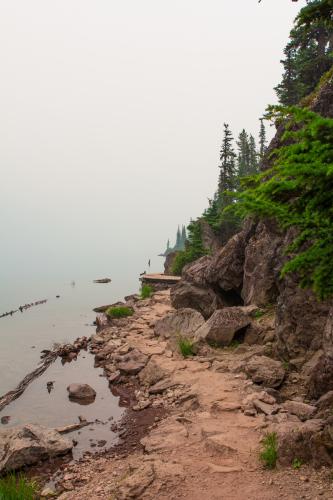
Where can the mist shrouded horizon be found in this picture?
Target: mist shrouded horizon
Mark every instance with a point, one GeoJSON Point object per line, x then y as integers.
{"type": "Point", "coordinates": [111, 121]}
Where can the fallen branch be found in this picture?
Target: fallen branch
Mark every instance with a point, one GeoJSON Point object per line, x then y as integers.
{"type": "Point", "coordinates": [73, 427]}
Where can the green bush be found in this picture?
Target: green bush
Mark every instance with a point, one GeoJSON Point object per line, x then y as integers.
{"type": "Point", "coordinates": [186, 347]}
{"type": "Point", "coordinates": [119, 312]}
{"type": "Point", "coordinates": [17, 488]}
{"type": "Point", "coordinates": [146, 291]}
{"type": "Point", "coordinates": [297, 191]}
{"type": "Point", "coordinates": [269, 455]}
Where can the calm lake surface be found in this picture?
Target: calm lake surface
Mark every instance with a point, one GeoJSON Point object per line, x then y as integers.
{"type": "Point", "coordinates": [24, 335]}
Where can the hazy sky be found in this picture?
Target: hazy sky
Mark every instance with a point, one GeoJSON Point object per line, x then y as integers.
{"type": "Point", "coordinates": [111, 116]}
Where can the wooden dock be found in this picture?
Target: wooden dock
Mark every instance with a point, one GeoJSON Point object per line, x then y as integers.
{"type": "Point", "coordinates": [159, 281]}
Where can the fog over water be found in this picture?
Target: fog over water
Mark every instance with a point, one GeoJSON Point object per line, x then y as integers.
{"type": "Point", "coordinates": [110, 126]}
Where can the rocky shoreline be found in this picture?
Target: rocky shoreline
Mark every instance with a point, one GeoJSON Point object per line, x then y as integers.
{"type": "Point", "coordinates": [194, 426]}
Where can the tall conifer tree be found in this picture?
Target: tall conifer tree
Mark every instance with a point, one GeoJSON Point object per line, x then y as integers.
{"type": "Point", "coordinates": [262, 139]}
{"type": "Point", "coordinates": [243, 158]}
{"type": "Point", "coordinates": [227, 177]}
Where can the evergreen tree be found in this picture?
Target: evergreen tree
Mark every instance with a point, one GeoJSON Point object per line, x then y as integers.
{"type": "Point", "coordinates": [243, 159]}
{"type": "Point", "coordinates": [227, 177]}
{"type": "Point", "coordinates": [178, 240]}
{"type": "Point", "coordinates": [308, 54]}
{"type": "Point", "coordinates": [184, 236]}
{"type": "Point", "coordinates": [262, 139]}
{"type": "Point", "coordinates": [253, 157]}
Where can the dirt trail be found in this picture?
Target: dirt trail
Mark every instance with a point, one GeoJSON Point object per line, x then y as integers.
{"type": "Point", "coordinates": [206, 448]}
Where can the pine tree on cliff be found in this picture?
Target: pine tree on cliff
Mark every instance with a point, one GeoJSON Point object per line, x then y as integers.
{"type": "Point", "coordinates": [227, 176]}
{"type": "Point", "coordinates": [253, 156]}
{"type": "Point", "coordinates": [308, 54]}
{"type": "Point", "coordinates": [243, 158]}
{"type": "Point", "coordinates": [262, 139]}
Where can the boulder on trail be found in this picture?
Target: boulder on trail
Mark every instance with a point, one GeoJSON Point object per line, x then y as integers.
{"type": "Point", "coordinates": [265, 371]}
{"type": "Point", "coordinates": [81, 392]}
{"type": "Point", "coordinates": [224, 326]}
{"type": "Point", "coordinates": [28, 444]}
{"type": "Point", "coordinates": [184, 322]}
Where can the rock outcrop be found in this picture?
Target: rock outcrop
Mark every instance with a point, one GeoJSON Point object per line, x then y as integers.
{"type": "Point", "coordinates": [27, 445]}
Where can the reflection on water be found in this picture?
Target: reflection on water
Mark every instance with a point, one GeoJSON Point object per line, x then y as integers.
{"type": "Point", "coordinates": [53, 408]}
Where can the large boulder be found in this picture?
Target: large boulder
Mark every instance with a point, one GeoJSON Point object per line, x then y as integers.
{"type": "Point", "coordinates": [187, 295]}
{"type": "Point", "coordinates": [195, 272]}
{"type": "Point", "coordinates": [184, 322]}
{"type": "Point", "coordinates": [265, 371]}
{"type": "Point", "coordinates": [28, 444]}
{"type": "Point", "coordinates": [227, 267]}
{"type": "Point", "coordinates": [224, 326]}
{"type": "Point", "coordinates": [81, 392]}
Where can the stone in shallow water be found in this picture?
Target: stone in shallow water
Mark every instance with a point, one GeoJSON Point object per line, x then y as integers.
{"type": "Point", "coordinates": [81, 392]}
{"type": "Point", "coordinates": [28, 444]}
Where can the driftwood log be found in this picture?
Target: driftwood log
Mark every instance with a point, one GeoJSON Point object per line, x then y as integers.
{"type": "Point", "coordinates": [48, 358]}
{"type": "Point", "coordinates": [14, 394]}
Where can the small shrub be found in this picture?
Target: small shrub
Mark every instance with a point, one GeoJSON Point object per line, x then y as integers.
{"type": "Point", "coordinates": [297, 463]}
{"type": "Point", "coordinates": [17, 488]}
{"type": "Point", "coordinates": [146, 291]}
{"type": "Point", "coordinates": [185, 347]}
{"type": "Point", "coordinates": [269, 453]}
{"type": "Point", "coordinates": [259, 314]}
{"type": "Point", "coordinates": [119, 312]}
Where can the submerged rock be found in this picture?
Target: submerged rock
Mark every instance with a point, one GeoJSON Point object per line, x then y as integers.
{"type": "Point", "coordinates": [81, 392]}
{"type": "Point", "coordinates": [28, 444]}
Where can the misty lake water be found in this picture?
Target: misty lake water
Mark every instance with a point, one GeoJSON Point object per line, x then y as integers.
{"type": "Point", "coordinates": [24, 335]}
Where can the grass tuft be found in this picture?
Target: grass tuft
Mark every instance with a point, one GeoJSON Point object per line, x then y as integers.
{"type": "Point", "coordinates": [297, 463]}
{"type": "Point", "coordinates": [119, 312]}
{"type": "Point", "coordinates": [186, 347]}
{"type": "Point", "coordinates": [259, 314]}
{"type": "Point", "coordinates": [146, 291]}
{"type": "Point", "coordinates": [17, 488]}
{"type": "Point", "coordinates": [269, 455]}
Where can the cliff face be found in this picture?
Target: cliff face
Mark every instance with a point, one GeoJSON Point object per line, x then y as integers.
{"type": "Point", "coordinates": [247, 271]}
